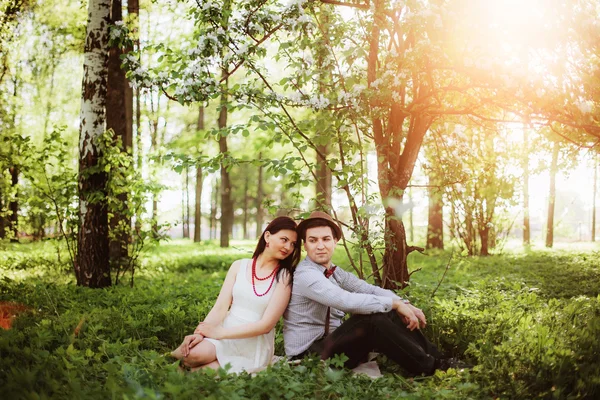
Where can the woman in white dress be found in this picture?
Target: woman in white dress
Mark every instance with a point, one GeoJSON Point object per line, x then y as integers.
{"type": "Point", "coordinates": [240, 328]}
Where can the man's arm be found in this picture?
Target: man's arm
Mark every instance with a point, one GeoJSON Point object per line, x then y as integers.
{"type": "Point", "coordinates": [312, 284]}
{"type": "Point", "coordinates": [352, 283]}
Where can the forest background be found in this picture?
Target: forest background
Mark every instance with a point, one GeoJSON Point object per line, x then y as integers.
{"type": "Point", "coordinates": [470, 126]}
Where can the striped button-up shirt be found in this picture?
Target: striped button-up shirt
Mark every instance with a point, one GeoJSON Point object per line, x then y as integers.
{"type": "Point", "coordinates": [313, 293]}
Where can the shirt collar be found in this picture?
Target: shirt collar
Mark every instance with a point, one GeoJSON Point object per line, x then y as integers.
{"type": "Point", "coordinates": [321, 268]}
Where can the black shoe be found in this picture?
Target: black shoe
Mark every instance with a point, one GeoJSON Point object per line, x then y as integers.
{"type": "Point", "coordinates": [444, 364]}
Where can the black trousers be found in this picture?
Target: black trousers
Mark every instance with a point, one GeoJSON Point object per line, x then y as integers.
{"type": "Point", "coordinates": [383, 332]}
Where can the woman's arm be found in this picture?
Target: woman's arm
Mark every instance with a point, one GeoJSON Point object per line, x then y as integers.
{"type": "Point", "coordinates": [274, 311]}
{"type": "Point", "coordinates": [219, 310]}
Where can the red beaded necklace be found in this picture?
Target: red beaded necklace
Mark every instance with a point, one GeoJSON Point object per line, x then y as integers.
{"type": "Point", "coordinates": [254, 276]}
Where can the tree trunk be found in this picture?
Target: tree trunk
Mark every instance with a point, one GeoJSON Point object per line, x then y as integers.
{"type": "Point", "coordinates": [3, 222]}
{"type": "Point", "coordinates": [245, 206]}
{"type": "Point", "coordinates": [187, 203]}
{"type": "Point", "coordinates": [199, 179]}
{"type": "Point", "coordinates": [484, 236]}
{"type": "Point", "coordinates": [50, 98]}
{"type": "Point", "coordinates": [13, 206]}
{"type": "Point", "coordinates": [323, 181]}
{"type": "Point", "coordinates": [435, 223]}
{"type": "Point", "coordinates": [116, 119]}
{"type": "Point", "coordinates": [92, 268]}
{"type": "Point", "coordinates": [133, 11]}
{"type": "Point", "coordinates": [323, 173]}
{"type": "Point", "coordinates": [526, 224]}
{"type": "Point", "coordinates": [470, 240]}
{"type": "Point", "coordinates": [395, 268]}
{"type": "Point", "coordinates": [226, 201]}
{"type": "Point", "coordinates": [259, 199]}
{"type": "Point", "coordinates": [594, 198]}
{"type": "Point", "coordinates": [213, 209]}
{"type": "Point", "coordinates": [411, 219]}
{"type": "Point", "coordinates": [552, 197]}
{"type": "Point", "coordinates": [395, 167]}
{"type": "Point", "coordinates": [154, 149]}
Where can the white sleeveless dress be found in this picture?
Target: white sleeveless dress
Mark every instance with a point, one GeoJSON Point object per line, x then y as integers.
{"type": "Point", "coordinates": [249, 353]}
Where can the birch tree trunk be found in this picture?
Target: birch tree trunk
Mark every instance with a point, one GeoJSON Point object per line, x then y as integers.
{"type": "Point", "coordinates": [92, 267]}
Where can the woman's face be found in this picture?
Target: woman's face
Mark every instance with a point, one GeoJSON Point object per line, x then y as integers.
{"type": "Point", "coordinates": [282, 243]}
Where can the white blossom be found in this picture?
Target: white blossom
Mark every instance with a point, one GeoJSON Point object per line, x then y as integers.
{"type": "Point", "coordinates": [296, 97]}
{"type": "Point", "coordinates": [358, 89]}
{"type": "Point", "coordinates": [319, 102]}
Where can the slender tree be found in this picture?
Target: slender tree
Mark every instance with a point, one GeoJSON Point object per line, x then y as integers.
{"type": "Point", "coordinates": [226, 201]}
{"type": "Point", "coordinates": [435, 225]}
{"type": "Point", "coordinates": [552, 195]}
{"type": "Point", "coordinates": [245, 206]}
{"type": "Point", "coordinates": [199, 180]}
{"type": "Point", "coordinates": [92, 268]}
{"type": "Point", "coordinates": [323, 172]}
{"type": "Point", "coordinates": [526, 223]}
{"type": "Point", "coordinates": [185, 203]}
{"type": "Point", "coordinates": [226, 198]}
{"type": "Point", "coordinates": [595, 190]}
{"type": "Point", "coordinates": [13, 206]}
{"type": "Point", "coordinates": [118, 120]}
{"type": "Point", "coordinates": [213, 208]}
{"type": "Point", "coordinates": [259, 198]}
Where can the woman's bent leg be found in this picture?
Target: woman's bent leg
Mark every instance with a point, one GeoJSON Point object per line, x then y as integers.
{"type": "Point", "coordinates": [178, 352]}
{"type": "Point", "coordinates": [201, 354]}
{"type": "Point", "coordinates": [212, 365]}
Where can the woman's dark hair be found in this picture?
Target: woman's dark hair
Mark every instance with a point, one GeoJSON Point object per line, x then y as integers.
{"type": "Point", "coordinates": [289, 263]}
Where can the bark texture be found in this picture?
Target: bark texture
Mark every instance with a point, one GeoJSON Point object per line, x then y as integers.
{"type": "Point", "coordinates": [226, 201]}
{"type": "Point", "coordinates": [260, 214]}
{"type": "Point", "coordinates": [435, 223]}
{"type": "Point", "coordinates": [199, 180]}
{"type": "Point", "coordinates": [117, 120]}
{"type": "Point", "coordinates": [92, 267]}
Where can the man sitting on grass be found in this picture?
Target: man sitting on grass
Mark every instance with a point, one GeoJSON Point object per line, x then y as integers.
{"type": "Point", "coordinates": [323, 293]}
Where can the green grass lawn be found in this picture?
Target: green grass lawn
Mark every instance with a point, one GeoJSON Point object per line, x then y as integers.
{"type": "Point", "coordinates": [528, 320]}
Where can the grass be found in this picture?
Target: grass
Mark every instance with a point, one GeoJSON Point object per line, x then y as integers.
{"type": "Point", "coordinates": [528, 320]}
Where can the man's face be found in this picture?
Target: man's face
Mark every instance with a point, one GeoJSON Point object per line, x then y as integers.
{"type": "Point", "coordinates": [320, 244]}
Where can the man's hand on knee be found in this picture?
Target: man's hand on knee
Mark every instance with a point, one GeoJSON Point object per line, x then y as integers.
{"type": "Point", "coordinates": [405, 311]}
{"type": "Point", "coordinates": [419, 314]}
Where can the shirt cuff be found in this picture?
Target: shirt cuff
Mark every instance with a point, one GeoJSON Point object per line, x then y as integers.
{"type": "Point", "coordinates": [388, 304]}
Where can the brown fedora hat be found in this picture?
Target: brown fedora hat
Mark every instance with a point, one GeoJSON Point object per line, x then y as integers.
{"type": "Point", "coordinates": [319, 215]}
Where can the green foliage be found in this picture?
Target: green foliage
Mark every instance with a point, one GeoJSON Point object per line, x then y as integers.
{"type": "Point", "coordinates": [529, 322]}
{"type": "Point", "coordinates": [127, 193]}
